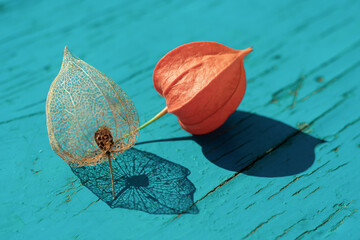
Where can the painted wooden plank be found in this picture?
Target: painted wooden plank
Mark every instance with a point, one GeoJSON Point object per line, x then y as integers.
{"type": "Point", "coordinates": [302, 74]}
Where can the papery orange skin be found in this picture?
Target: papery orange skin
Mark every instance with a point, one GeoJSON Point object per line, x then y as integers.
{"type": "Point", "coordinates": [203, 84]}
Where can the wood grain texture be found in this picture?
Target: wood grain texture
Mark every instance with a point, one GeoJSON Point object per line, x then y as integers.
{"type": "Point", "coordinates": [285, 165]}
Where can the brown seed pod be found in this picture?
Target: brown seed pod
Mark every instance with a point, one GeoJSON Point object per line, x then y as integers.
{"type": "Point", "coordinates": [104, 139]}
{"type": "Point", "coordinates": [90, 119]}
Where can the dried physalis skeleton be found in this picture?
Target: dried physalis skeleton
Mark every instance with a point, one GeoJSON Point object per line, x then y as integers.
{"type": "Point", "coordinates": [90, 119]}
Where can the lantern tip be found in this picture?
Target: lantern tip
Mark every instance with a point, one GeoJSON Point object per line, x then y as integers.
{"type": "Point", "coordinates": [66, 50]}
{"type": "Point", "coordinates": [247, 51]}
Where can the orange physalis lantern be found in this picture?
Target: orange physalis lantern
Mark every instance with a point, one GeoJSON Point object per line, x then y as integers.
{"type": "Point", "coordinates": [203, 84]}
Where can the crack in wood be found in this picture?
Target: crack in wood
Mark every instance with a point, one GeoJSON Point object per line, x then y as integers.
{"type": "Point", "coordinates": [35, 171]}
{"type": "Point", "coordinates": [16, 89]}
{"type": "Point", "coordinates": [348, 125]}
{"type": "Point", "coordinates": [42, 101]}
{"type": "Point", "coordinates": [340, 166]}
{"type": "Point", "coordinates": [312, 192]}
{"type": "Point", "coordinates": [66, 190]}
{"type": "Point", "coordinates": [297, 178]}
{"type": "Point", "coordinates": [356, 137]}
{"type": "Point", "coordinates": [322, 65]}
{"type": "Point", "coordinates": [72, 188]}
{"type": "Point", "coordinates": [289, 228]}
{"type": "Point", "coordinates": [249, 206]}
{"type": "Point", "coordinates": [262, 224]}
{"type": "Point", "coordinates": [263, 73]}
{"type": "Point", "coordinates": [324, 222]}
{"type": "Point", "coordinates": [269, 184]}
{"type": "Point", "coordinates": [291, 88]}
{"type": "Point", "coordinates": [335, 149]}
{"type": "Point", "coordinates": [335, 27]}
{"type": "Point", "coordinates": [302, 189]}
{"type": "Point", "coordinates": [334, 79]}
{"type": "Point", "coordinates": [336, 226]}
{"type": "Point", "coordinates": [23, 117]}
{"type": "Point", "coordinates": [287, 185]}
{"type": "Point", "coordinates": [87, 207]}
{"type": "Point", "coordinates": [231, 151]}
{"type": "Point", "coordinates": [305, 126]}
{"type": "Point", "coordinates": [67, 200]}
{"type": "Point", "coordinates": [296, 91]}
{"type": "Point", "coordinates": [332, 108]}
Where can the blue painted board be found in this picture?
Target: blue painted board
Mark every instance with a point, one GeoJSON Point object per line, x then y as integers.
{"type": "Point", "coordinates": [284, 166]}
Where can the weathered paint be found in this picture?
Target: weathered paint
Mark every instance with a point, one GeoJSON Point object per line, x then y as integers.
{"type": "Point", "coordinates": [303, 74]}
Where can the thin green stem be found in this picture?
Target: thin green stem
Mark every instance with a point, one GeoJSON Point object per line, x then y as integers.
{"type": "Point", "coordinates": [157, 116]}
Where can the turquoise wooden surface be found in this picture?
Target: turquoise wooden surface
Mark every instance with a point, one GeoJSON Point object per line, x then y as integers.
{"type": "Point", "coordinates": [256, 178]}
